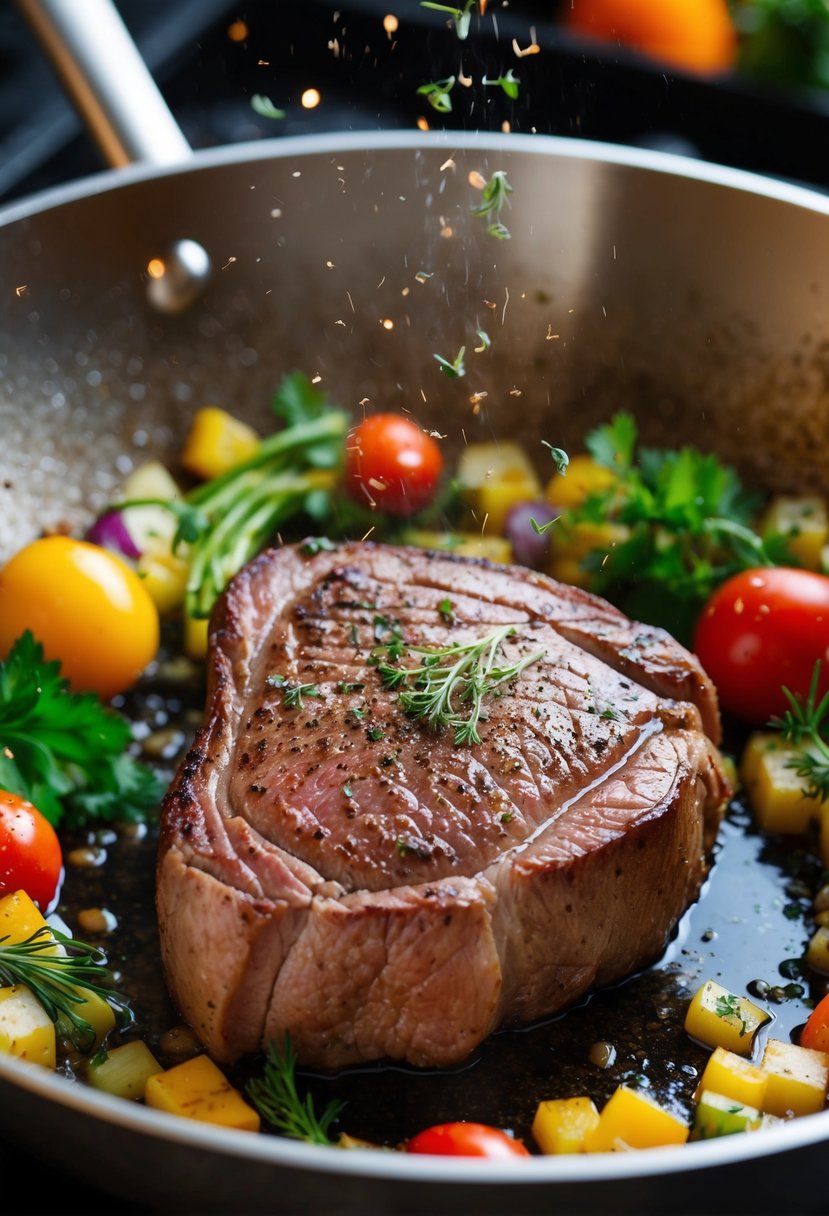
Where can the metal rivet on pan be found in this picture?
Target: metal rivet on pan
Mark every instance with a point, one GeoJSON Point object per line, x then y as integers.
{"type": "Point", "coordinates": [177, 278]}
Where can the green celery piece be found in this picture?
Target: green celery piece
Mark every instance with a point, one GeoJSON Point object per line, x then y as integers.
{"type": "Point", "coordinates": [716, 1115]}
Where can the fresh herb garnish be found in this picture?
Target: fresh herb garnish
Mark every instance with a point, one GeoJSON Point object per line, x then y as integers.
{"type": "Point", "coordinates": [461, 17]}
{"type": "Point", "coordinates": [729, 1007]}
{"type": "Point", "coordinates": [454, 368]}
{"type": "Point", "coordinates": [805, 725]}
{"type": "Point", "coordinates": [560, 458]}
{"type": "Point", "coordinates": [61, 973]}
{"type": "Point", "coordinates": [437, 94]}
{"type": "Point", "coordinates": [293, 691]}
{"type": "Point", "coordinates": [275, 1096]}
{"type": "Point", "coordinates": [450, 694]}
{"type": "Point", "coordinates": [447, 610]}
{"type": "Point", "coordinates": [66, 752]}
{"type": "Point", "coordinates": [509, 82]}
{"type": "Point", "coordinates": [226, 521]}
{"type": "Point", "coordinates": [495, 197]}
{"type": "Point", "coordinates": [264, 107]}
{"type": "Point", "coordinates": [375, 733]}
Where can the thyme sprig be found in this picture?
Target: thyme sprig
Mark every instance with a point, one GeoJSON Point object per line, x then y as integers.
{"type": "Point", "coordinates": [448, 687]}
{"type": "Point", "coordinates": [293, 691]}
{"type": "Point", "coordinates": [805, 725]}
{"type": "Point", "coordinates": [61, 973]}
{"type": "Point", "coordinates": [275, 1096]}
{"type": "Point", "coordinates": [496, 194]}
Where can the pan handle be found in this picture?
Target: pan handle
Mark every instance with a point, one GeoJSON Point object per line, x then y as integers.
{"type": "Point", "coordinates": [101, 68]}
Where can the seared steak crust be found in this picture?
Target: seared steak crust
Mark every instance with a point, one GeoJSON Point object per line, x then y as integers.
{"type": "Point", "coordinates": [333, 868]}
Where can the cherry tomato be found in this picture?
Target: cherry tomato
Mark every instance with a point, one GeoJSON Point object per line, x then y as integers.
{"type": "Point", "coordinates": [763, 630]}
{"type": "Point", "coordinates": [30, 856]}
{"type": "Point", "coordinates": [694, 35]}
{"type": "Point", "coordinates": [466, 1140]}
{"type": "Point", "coordinates": [87, 608]}
{"type": "Point", "coordinates": [390, 461]}
{"type": "Point", "coordinates": [815, 1033]}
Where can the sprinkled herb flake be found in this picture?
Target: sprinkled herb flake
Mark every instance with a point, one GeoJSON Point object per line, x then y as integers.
{"type": "Point", "coordinates": [447, 610]}
{"type": "Point", "coordinates": [495, 197]}
{"type": "Point", "coordinates": [313, 545]}
{"type": "Point", "coordinates": [437, 94]}
{"type": "Point", "coordinates": [509, 82]}
{"type": "Point", "coordinates": [264, 107]}
{"type": "Point", "coordinates": [375, 733]}
{"type": "Point", "coordinates": [292, 691]}
{"type": "Point", "coordinates": [461, 17]}
{"type": "Point", "coordinates": [729, 1007]}
{"type": "Point", "coordinates": [454, 368]}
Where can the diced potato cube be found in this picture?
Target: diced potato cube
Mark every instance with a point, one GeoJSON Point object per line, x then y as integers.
{"type": "Point", "coordinates": [570, 543]}
{"type": "Point", "coordinates": [26, 1030]}
{"type": "Point", "coordinates": [817, 952]}
{"type": "Point", "coordinates": [197, 1089]}
{"type": "Point", "coordinates": [165, 578]}
{"type": "Point", "coordinates": [718, 1018]}
{"type": "Point", "coordinates": [718, 1115]}
{"type": "Point", "coordinates": [804, 522]}
{"type": "Point", "coordinates": [797, 1079]}
{"type": "Point", "coordinates": [150, 480]}
{"type": "Point", "coordinates": [95, 1010]}
{"type": "Point", "coordinates": [561, 1124]}
{"type": "Point", "coordinates": [151, 527]}
{"type": "Point", "coordinates": [196, 630]}
{"type": "Point", "coordinates": [774, 789]}
{"type": "Point", "coordinates": [733, 1077]}
{"type": "Point", "coordinates": [466, 544]}
{"type": "Point", "coordinates": [631, 1119]}
{"type": "Point", "coordinates": [124, 1071]}
{"type": "Point", "coordinates": [494, 477]}
{"type": "Point", "coordinates": [19, 919]}
{"type": "Point", "coordinates": [217, 442]}
{"type": "Point", "coordinates": [582, 478]}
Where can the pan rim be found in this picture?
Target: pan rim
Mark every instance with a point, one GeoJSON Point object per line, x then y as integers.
{"type": "Point", "coordinates": [545, 146]}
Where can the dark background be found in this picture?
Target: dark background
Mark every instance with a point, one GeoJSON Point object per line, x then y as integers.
{"type": "Point", "coordinates": [368, 81]}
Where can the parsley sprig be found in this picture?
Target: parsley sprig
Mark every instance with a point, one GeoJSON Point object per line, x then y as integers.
{"type": "Point", "coordinates": [805, 725]}
{"type": "Point", "coordinates": [448, 687]}
{"type": "Point", "coordinates": [61, 973]}
{"type": "Point", "coordinates": [66, 752]}
{"type": "Point", "coordinates": [687, 520]}
{"type": "Point", "coordinates": [275, 1096]}
{"type": "Point", "coordinates": [495, 197]}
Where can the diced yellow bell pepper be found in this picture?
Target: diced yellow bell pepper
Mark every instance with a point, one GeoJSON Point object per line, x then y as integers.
{"type": "Point", "coordinates": [570, 543]}
{"type": "Point", "coordinates": [631, 1119]}
{"type": "Point", "coordinates": [718, 1115]}
{"type": "Point", "coordinates": [197, 1089]}
{"type": "Point", "coordinates": [216, 442]}
{"type": "Point", "coordinates": [196, 630]}
{"type": "Point", "coordinates": [561, 1124]}
{"type": "Point", "coordinates": [582, 478]}
{"type": "Point", "coordinates": [495, 477]}
{"type": "Point", "coordinates": [124, 1071]}
{"type": "Point", "coordinates": [26, 1030]}
{"type": "Point", "coordinates": [804, 522]}
{"type": "Point", "coordinates": [817, 952]}
{"type": "Point", "coordinates": [465, 544]}
{"type": "Point", "coordinates": [797, 1079]}
{"type": "Point", "coordinates": [775, 792]}
{"type": "Point", "coordinates": [165, 578]}
{"type": "Point", "coordinates": [719, 1018]}
{"type": "Point", "coordinates": [733, 1077]}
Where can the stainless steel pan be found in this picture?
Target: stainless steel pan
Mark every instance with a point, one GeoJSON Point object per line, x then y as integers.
{"type": "Point", "coordinates": [695, 295]}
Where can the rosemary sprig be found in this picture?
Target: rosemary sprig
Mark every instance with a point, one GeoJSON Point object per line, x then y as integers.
{"type": "Point", "coordinates": [275, 1096]}
{"type": "Point", "coordinates": [62, 982]}
{"type": "Point", "coordinates": [292, 691]}
{"type": "Point", "coordinates": [447, 689]}
{"type": "Point", "coordinates": [805, 725]}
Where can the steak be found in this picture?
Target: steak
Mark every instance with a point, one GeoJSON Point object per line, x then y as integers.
{"type": "Point", "coordinates": [333, 867]}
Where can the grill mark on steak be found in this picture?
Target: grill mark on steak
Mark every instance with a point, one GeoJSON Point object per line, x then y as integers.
{"type": "Point", "coordinates": [375, 890]}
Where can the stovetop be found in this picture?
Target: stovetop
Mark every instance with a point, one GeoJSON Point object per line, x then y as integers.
{"type": "Point", "coordinates": [211, 58]}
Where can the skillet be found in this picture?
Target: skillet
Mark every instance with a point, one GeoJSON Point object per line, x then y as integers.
{"type": "Point", "coordinates": [689, 293]}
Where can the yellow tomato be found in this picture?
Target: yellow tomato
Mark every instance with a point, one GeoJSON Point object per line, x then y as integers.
{"type": "Point", "coordinates": [88, 609]}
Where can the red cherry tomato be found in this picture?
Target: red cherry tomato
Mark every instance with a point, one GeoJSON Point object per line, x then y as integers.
{"type": "Point", "coordinates": [761, 631]}
{"type": "Point", "coordinates": [392, 463]}
{"type": "Point", "coordinates": [815, 1033]}
{"type": "Point", "coordinates": [466, 1140]}
{"type": "Point", "coordinates": [30, 855]}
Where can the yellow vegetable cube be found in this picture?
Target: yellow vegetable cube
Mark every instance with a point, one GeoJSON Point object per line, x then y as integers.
{"type": "Point", "coordinates": [817, 952]}
{"type": "Point", "coordinates": [797, 1079]}
{"type": "Point", "coordinates": [718, 1018]}
{"type": "Point", "coordinates": [197, 1089]}
{"type": "Point", "coordinates": [570, 543]}
{"type": "Point", "coordinates": [466, 544]}
{"type": "Point", "coordinates": [734, 1077]}
{"type": "Point", "coordinates": [631, 1119]}
{"type": "Point", "coordinates": [582, 478]}
{"type": "Point", "coordinates": [494, 477]}
{"type": "Point", "coordinates": [561, 1124]}
{"type": "Point", "coordinates": [718, 1115]}
{"type": "Point", "coordinates": [26, 1030]}
{"type": "Point", "coordinates": [196, 630]}
{"type": "Point", "coordinates": [124, 1071]}
{"type": "Point", "coordinates": [774, 789]}
{"type": "Point", "coordinates": [216, 442]}
{"type": "Point", "coordinates": [165, 578]}
{"type": "Point", "coordinates": [804, 522]}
